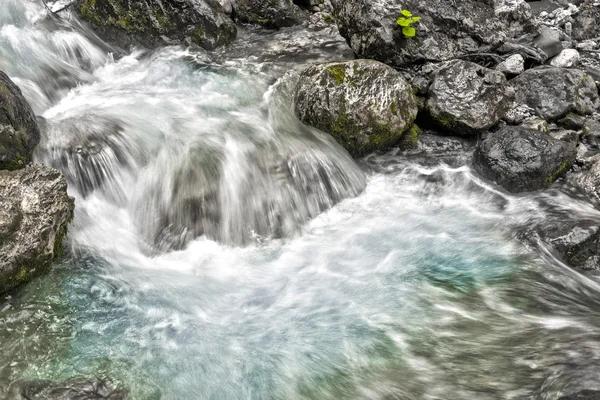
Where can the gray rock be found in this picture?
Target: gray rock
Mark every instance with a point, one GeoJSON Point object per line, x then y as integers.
{"type": "Point", "coordinates": [521, 160]}
{"type": "Point", "coordinates": [589, 182]}
{"type": "Point", "coordinates": [365, 105]}
{"type": "Point", "coordinates": [555, 92]}
{"type": "Point", "coordinates": [269, 13]}
{"type": "Point", "coordinates": [73, 389]}
{"type": "Point", "coordinates": [513, 65]}
{"type": "Point", "coordinates": [448, 29]}
{"type": "Point", "coordinates": [566, 135]}
{"type": "Point", "coordinates": [566, 59]}
{"type": "Point", "coordinates": [572, 121]}
{"type": "Point", "coordinates": [34, 213]}
{"type": "Point", "coordinates": [466, 98]}
{"type": "Point", "coordinates": [549, 42]}
{"type": "Point", "coordinates": [19, 133]}
{"type": "Point", "coordinates": [149, 22]}
{"type": "Point", "coordinates": [585, 23]}
{"type": "Point", "coordinates": [536, 124]}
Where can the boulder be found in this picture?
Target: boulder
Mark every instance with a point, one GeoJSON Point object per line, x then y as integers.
{"type": "Point", "coordinates": [566, 59]}
{"type": "Point", "coordinates": [73, 389]}
{"type": "Point", "coordinates": [586, 22]}
{"type": "Point", "coordinates": [549, 42]}
{"type": "Point", "coordinates": [466, 98]}
{"type": "Point", "coordinates": [555, 92]}
{"type": "Point", "coordinates": [365, 105]}
{"type": "Point", "coordinates": [34, 213]}
{"type": "Point", "coordinates": [521, 159]}
{"type": "Point", "coordinates": [19, 133]}
{"type": "Point", "coordinates": [513, 65]}
{"type": "Point", "coordinates": [273, 14]}
{"type": "Point", "coordinates": [152, 23]}
{"type": "Point", "coordinates": [447, 29]}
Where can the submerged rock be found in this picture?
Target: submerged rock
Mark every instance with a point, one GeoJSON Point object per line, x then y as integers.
{"type": "Point", "coordinates": [364, 105]}
{"type": "Point", "coordinates": [19, 133]}
{"type": "Point", "coordinates": [74, 389]}
{"type": "Point", "coordinates": [555, 92]}
{"type": "Point", "coordinates": [521, 160]}
{"type": "Point", "coordinates": [269, 13]}
{"type": "Point", "coordinates": [34, 213]}
{"type": "Point", "coordinates": [466, 98]}
{"type": "Point", "coordinates": [447, 29]}
{"type": "Point", "coordinates": [155, 22]}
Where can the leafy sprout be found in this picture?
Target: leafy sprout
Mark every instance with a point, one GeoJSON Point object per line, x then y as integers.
{"type": "Point", "coordinates": [406, 20]}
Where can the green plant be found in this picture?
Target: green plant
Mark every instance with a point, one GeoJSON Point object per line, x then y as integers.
{"type": "Point", "coordinates": [406, 20]}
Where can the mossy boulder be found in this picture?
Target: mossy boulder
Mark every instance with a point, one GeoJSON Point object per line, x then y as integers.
{"type": "Point", "coordinates": [466, 98]}
{"type": "Point", "coordinates": [19, 133]}
{"type": "Point", "coordinates": [273, 14]}
{"type": "Point", "coordinates": [34, 213]}
{"type": "Point", "coordinates": [364, 104]}
{"type": "Point", "coordinates": [522, 160]}
{"type": "Point", "coordinates": [151, 23]}
{"type": "Point", "coordinates": [555, 92]}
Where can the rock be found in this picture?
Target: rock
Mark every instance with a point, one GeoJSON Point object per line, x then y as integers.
{"type": "Point", "coordinates": [466, 98]}
{"type": "Point", "coordinates": [572, 121]}
{"type": "Point", "coordinates": [513, 65]}
{"type": "Point", "coordinates": [515, 15]}
{"type": "Point", "coordinates": [583, 395]}
{"type": "Point", "coordinates": [74, 389]}
{"type": "Point", "coordinates": [448, 29]}
{"type": "Point", "coordinates": [34, 213]}
{"type": "Point", "coordinates": [521, 160]}
{"type": "Point", "coordinates": [566, 135]}
{"type": "Point", "coordinates": [555, 92]}
{"type": "Point", "coordinates": [365, 105]}
{"type": "Point", "coordinates": [269, 13]}
{"type": "Point", "coordinates": [566, 59]}
{"type": "Point", "coordinates": [518, 113]}
{"type": "Point", "coordinates": [152, 23]}
{"type": "Point", "coordinates": [536, 124]}
{"type": "Point", "coordinates": [19, 133]}
{"type": "Point", "coordinates": [585, 23]}
{"type": "Point", "coordinates": [549, 42]}
{"type": "Point", "coordinates": [589, 182]}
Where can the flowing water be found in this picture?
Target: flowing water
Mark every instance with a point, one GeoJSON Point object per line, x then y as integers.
{"type": "Point", "coordinates": [222, 250]}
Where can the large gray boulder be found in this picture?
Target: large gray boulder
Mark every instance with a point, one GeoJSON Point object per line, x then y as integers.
{"type": "Point", "coordinates": [522, 160]}
{"type": "Point", "coordinates": [466, 98]}
{"type": "Point", "coordinates": [34, 213]}
{"type": "Point", "coordinates": [155, 22]}
{"type": "Point", "coordinates": [364, 104]}
{"type": "Point", "coordinates": [448, 29]}
{"type": "Point", "coordinates": [269, 13]}
{"type": "Point", "coordinates": [555, 92]}
{"type": "Point", "coordinates": [19, 133]}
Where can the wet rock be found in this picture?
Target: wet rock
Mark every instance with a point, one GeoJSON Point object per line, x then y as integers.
{"type": "Point", "coordinates": [152, 23]}
{"type": "Point", "coordinates": [589, 182]}
{"type": "Point", "coordinates": [19, 133]}
{"type": "Point", "coordinates": [555, 92]}
{"type": "Point", "coordinates": [448, 29]}
{"type": "Point", "coordinates": [269, 13]}
{"type": "Point", "coordinates": [549, 42]}
{"type": "Point", "coordinates": [34, 213]}
{"type": "Point", "coordinates": [566, 59]}
{"type": "Point", "coordinates": [466, 98]}
{"type": "Point", "coordinates": [513, 65]}
{"type": "Point", "coordinates": [74, 389]}
{"type": "Point", "coordinates": [521, 160]}
{"type": "Point", "coordinates": [583, 395]}
{"type": "Point", "coordinates": [364, 105]}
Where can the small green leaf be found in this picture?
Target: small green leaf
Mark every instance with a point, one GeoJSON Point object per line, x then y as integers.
{"type": "Point", "coordinates": [404, 22]}
{"type": "Point", "coordinates": [416, 19]}
{"type": "Point", "coordinates": [409, 31]}
{"type": "Point", "coordinates": [406, 13]}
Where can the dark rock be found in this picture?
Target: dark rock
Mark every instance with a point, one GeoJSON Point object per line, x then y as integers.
{"type": "Point", "coordinates": [74, 389]}
{"type": "Point", "coordinates": [365, 105]}
{"type": "Point", "coordinates": [443, 33]}
{"type": "Point", "coordinates": [549, 42]}
{"type": "Point", "coordinates": [555, 92]}
{"type": "Point", "coordinates": [269, 13]}
{"type": "Point", "coordinates": [19, 133]}
{"type": "Point", "coordinates": [152, 23]}
{"type": "Point", "coordinates": [577, 241]}
{"type": "Point", "coordinates": [572, 121]}
{"type": "Point", "coordinates": [583, 395]}
{"type": "Point", "coordinates": [466, 98]}
{"type": "Point", "coordinates": [34, 213]}
{"type": "Point", "coordinates": [585, 23]}
{"type": "Point", "coordinates": [521, 160]}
